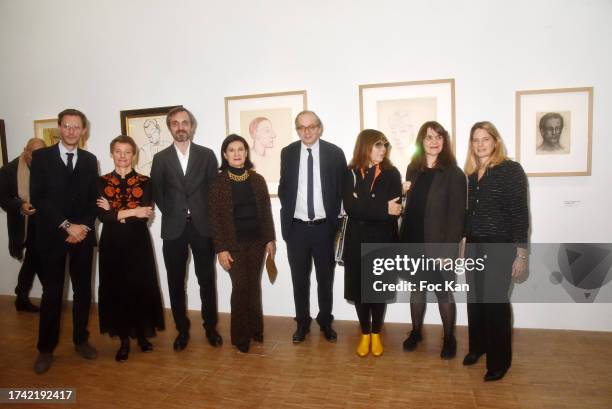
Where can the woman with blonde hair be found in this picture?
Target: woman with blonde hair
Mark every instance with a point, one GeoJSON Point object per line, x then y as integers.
{"type": "Point", "coordinates": [497, 226]}
{"type": "Point", "coordinates": [372, 188]}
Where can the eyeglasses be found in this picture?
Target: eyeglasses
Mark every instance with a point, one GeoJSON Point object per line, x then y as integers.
{"type": "Point", "coordinates": [69, 127]}
{"type": "Point", "coordinates": [310, 128]}
{"type": "Point", "coordinates": [381, 144]}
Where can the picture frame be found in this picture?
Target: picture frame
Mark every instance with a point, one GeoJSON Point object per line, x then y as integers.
{"type": "Point", "coordinates": [554, 131]}
{"type": "Point", "coordinates": [48, 131]}
{"type": "Point", "coordinates": [398, 109]}
{"type": "Point", "coordinates": [266, 121]}
{"type": "Point", "coordinates": [3, 148]}
{"type": "Point", "coordinates": [147, 126]}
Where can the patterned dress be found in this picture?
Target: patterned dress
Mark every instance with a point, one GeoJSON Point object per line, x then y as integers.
{"type": "Point", "coordinates": [130, 301]}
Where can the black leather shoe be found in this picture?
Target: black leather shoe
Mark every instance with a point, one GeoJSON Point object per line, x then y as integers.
{"type": "Point", "coordinates": [181, 341]}
{"type": "Point", "coordinates": [86, 350]}
{"type": "Point", "coordinates": [122, 353]}
{"type": "Point", "coordinates": [495, 375]}
{"type": "Point", "coordinates": [471, 358]}
{"type": "Point", "coordinates": [329, 333]}
{"type": "Point", "coordinates": [43, 363]}
{"type": "Point", "coordinates": [258, 338]}
{"type": "Point", "coordinates": [300, 333]}
{"type": "Point", "coordinates": [243, 347]}
{"type": "Point", "coordinates": [214, 339]}
{"type": "Point", "coordinates": [23, 304]}
{"type": "Point", "coordinates": [449, 348]}
{"type": "Point", "coordinates": [412, 341]}
{"type": "Point", "coordinates": [145, 345]}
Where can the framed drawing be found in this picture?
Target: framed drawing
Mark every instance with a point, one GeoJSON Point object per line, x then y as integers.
{"type": "Point", "coordinates": [48, 131]}
{"type": "Point", "coordinates": [553, 131]}
{"type": "Point", "coordinates": [4, 155]}
{"type": "Point", "coordinates": [398, 109]}
{"type": "Point", "coordinates": [148, 129]}
{"type": "Point", "coordinates": [266, 121]}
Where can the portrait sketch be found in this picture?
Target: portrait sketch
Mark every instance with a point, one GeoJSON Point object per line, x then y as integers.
{"type": "Point", "coordinates": [400, 120]}
{"type": "Point", "coordinates": [399, 109]}
{"type": "Point", "coordinates": [149, 130]}
{"type": "Point", "coordinates": [266, 121]}
{"type": "Point", "coordinates": [553, 131]}
{"type": "Point", "coordinates": [48, 131]}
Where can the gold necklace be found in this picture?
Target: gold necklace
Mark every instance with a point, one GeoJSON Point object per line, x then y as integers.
{"type": "Point", "coordinates": [238, 178]}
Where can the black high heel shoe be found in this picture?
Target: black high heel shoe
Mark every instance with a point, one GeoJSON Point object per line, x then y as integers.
{"type": "Point", "coordinates": [144, 344]}
{"type": "Point", "coordinates": [124, 350]}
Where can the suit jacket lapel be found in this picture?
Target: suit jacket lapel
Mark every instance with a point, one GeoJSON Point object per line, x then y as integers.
{"type": "Point", "coordinates": [191, 163]}
{"type": "Point", "coordinates": [175, 163]}
{"type": "Point", "coordinates": [323, 159]}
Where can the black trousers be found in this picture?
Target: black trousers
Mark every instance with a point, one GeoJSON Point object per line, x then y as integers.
{"type": "Point", "coordinates": [29, 268]}
{"type": "Point", "coordinates": [489, 312]}
{"type": "Point", "coordinates": [52, 276]}
{"type": "Point", "coordinates": [308, 243]}
{"type": "Point", "coordinates": [175, 259]}
{"type": "Point", "coordinates": [246, 270]}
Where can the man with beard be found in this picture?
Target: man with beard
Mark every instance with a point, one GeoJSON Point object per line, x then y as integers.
{"type": "Point", "coordinates": [181, 175]}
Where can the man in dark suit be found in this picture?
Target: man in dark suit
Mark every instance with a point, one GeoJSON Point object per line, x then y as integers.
{"type": "Point", "coordinates": [63, 189]}
{"type": "Point", "coordinates": [310, 192]}
{"type": "Point", "coordinates": [181, 175]}
{"type": "Point", "coordinates": [15, 200]}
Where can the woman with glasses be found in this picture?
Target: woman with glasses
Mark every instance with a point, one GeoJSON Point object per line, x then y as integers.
{"type": "Point", "coordinates": [435, 191]}
{"type": "Point", "coordinates": [497, 227]}
{"type": "Point", "coordinates": [372, 189]}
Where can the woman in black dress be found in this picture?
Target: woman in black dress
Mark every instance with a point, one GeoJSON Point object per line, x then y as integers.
{"type": "Point", "coordinates": [434, 213]}
{"type": "Point", "coordinates": [497, 226]}
{"type": "Point", "coordinates": [371, 193]}
{"type": "Point", "coordinates": [129, 297]}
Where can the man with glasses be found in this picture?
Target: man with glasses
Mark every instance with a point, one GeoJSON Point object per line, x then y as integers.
{"type": "Point", "coordinates": [310, 192]}
{"type": "Point", "coordinates": [63, 190]}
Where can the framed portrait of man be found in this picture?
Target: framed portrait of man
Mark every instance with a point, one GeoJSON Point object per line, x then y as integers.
{"type": "Point", "coordinates": [266, 121]}
{"type": "Point", "coordinates": [147, 126]}
{"type": "Point", "coordinates": [553, 131]}
{"type": "Point", "coordinates": [3, 153]}
{"type": "Point", "coordinates": [398, 109]}
{"type": "Point", "coordinates": [48, 131]}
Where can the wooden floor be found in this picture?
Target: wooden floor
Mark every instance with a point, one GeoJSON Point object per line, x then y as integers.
{"type": "Point", "coordinates": [551, 369]}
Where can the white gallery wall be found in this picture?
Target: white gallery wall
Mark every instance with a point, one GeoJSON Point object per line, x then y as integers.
{"type": "Point", "coordinates": [106, 56]}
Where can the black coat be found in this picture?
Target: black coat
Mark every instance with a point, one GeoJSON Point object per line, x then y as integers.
{"type": "Point", "coordinates": [11, 204]}
{"type": "Point", "coordinates": [59, 195]}
{"type": "Point", "coordinates": [174, 193]}
{"type": "Point", "coordinates": [332, 169]}
{"type": "Point", "coordinates": [369, 221]}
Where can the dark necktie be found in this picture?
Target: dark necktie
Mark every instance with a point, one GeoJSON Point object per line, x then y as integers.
{"type": "Point", "coordinates": [70, 165]}
{"type": "Point", "coordinates": [310, 186]}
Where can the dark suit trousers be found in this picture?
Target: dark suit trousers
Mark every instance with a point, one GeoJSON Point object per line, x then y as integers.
{"type": "Point", "coordinates": [247, 312]}
{"type": "Point", "coordinates": [30, 265]}
{"type": "Point", "coordinates": [489, 312]}
{"type": "Point", "coordinates": [305, 244]}
{"type": "Point", "coordinates": [175, 258]}
{"type": "Point", "coordinates": [52, 276]}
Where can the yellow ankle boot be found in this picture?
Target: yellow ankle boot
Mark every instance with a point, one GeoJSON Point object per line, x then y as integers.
{"type": "Point", "coordinates": [364, 345]}
{"type": "Point", "coordinates": [377, 346]}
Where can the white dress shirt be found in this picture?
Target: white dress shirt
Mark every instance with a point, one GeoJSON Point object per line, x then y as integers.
{"type": "Point", "coordinates": [183, 159]}
{"type": "Point", "coordinates": [63, 151]}
{"type": "Point", "coordinates": [301, 204]}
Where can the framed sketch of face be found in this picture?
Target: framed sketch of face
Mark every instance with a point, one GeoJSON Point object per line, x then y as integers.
{"type": "Point", "coordinates": [3, 153]}
{"type": "Point", "coordinates": [147, 126]}
{"type": "Point", "coordinates": [266, 121]}
{"type": "Point", "coordinates": [398, 109]}
{"type": "Point", "coordinates": [553, 131]}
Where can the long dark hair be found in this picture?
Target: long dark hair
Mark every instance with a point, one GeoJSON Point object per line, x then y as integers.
{"type": "Point", "coordinates": [445, 158]}
{"type": "Point", "coordinates": [248, 165]}
{"type": "Point", "coordinates": [363, 147]}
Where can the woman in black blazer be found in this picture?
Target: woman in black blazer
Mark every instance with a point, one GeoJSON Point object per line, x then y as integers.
{"type": "Point", "coordinates": [372, 189]}
{"type": "Point", "coordinates": [497, 227]}
{"type": "Point", "coordinates": [434, 213]}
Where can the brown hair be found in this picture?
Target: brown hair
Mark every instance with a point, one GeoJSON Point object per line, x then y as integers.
{"type": "Point", "coordinates": [445, 157]}
{"type": "Point", "coordinates": [72, 112]}
{"type": "Point", "coordinates": [177, 110]}
{"type": "Point", "coordinates": [363, 147]}
{"type": "Point", "coordinates": [124, 139]}
{"type": "Point", "coordinates": [497, 156]}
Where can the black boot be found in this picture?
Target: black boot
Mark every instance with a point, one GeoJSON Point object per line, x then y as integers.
{"type": "Point", "coordinates": [124, 350]}
{"type": "Point", "coordinates": [22, 303]}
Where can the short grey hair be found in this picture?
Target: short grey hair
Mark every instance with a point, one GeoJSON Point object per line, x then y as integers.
{"type": "Point", "coordinates": [316, 117]}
